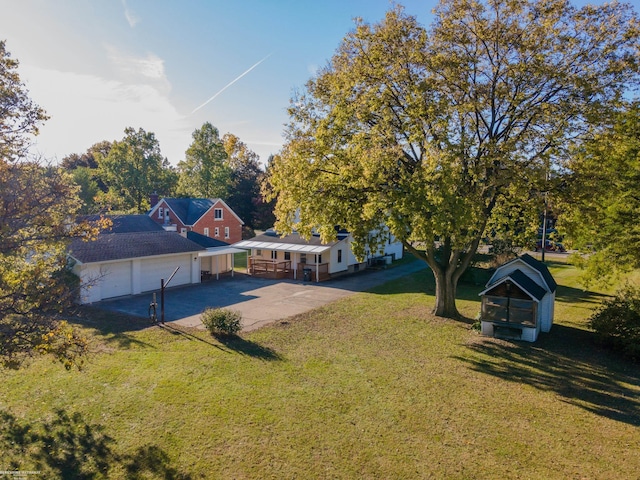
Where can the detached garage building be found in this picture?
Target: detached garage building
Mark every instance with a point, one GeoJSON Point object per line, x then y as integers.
{"type": "Point", "coordinates": [132, 258]}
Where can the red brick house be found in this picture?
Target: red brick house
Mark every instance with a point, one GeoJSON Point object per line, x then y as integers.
{"type": "Point", "coordinates": [210, 217]}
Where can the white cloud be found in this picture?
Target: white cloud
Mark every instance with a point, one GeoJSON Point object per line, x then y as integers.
{"type": "Point", "coordinates": [86, 109]}
{"type": "Point", "coordinates": [139, 69]}
{"type": "Point", "coordinates": [130, 15]}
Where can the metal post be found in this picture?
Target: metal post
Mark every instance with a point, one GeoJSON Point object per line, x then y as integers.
{"type": "Point", "coordinates": [162, 300]}
{"type": "Point", "coordinates": [544, 227]}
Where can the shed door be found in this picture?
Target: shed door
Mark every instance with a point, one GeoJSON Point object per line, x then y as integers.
{"type": "Point", "coordinates": [117, 279]}
{"type": "Point", "coordinates": [152, 270]}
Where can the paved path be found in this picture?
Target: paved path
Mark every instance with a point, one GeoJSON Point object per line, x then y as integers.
{"type": "Point", "coordinates": [260, 301]}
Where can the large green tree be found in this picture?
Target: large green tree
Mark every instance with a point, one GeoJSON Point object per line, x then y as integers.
{"type": "Point", "coordinates": [205, 173]}
{"type": "Point", "coordinates": [20, 118]}
{"type": "Point", "coordinates": [601, 201]}
{"type": "Point", "coordinates": [133, 169]}
{"type": "Point", "coordinates": [432, 132]}
{"type": "Point", "coordinates": [37, 206]}
{"type": "Point", "coordinates": [245, 179]}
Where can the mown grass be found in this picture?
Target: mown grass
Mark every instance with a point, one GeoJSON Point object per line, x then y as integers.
{"type": "Point", "coordinates": [373, 386]}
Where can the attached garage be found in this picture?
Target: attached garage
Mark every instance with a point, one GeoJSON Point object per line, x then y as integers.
{"type": "Point", "coordinates": [119, 279]}
{"type": "Point", "coordinates": [154, 269]}
{"type": "Point", "coordinates": [118, 264]}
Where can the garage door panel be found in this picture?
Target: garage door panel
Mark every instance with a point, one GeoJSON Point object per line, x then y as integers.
{"type": "Point", "coordinates": [153, 270]}
{"type": "Point", "coordinates": [116, 279]}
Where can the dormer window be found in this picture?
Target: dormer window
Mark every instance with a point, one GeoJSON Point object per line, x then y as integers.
{"type": "Point", "coordinates": [217, 213]}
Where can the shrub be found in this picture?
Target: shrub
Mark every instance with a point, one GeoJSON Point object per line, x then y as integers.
{"type": "Point", "coordinates": [617, 321]}
{"type": "Point", "coordinates": [222, 321]}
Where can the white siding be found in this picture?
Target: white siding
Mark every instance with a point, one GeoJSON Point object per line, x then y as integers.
{"type": "Point", "coordinates": [116, 279]}
{"type": "Point", "coordinates": [152, 270]}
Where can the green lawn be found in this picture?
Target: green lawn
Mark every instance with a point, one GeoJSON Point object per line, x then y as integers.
{"type": "Point", "coordinates": [370, 387]}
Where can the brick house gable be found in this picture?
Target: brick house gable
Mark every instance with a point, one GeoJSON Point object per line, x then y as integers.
{"type": "Point", "coordinates": [199, 215]}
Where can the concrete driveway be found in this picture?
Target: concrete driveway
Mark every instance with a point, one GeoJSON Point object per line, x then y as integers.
{"type": "Point", "coordinates": [260, 301]}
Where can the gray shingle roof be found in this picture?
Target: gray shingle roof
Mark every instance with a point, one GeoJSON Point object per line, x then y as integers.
{"type": "Point", "coordinates": [205, 241]}
{"type": "Point", "coordinates": [120, 246]}
{"type": "Point", "coordinates": [189, 210]}
{"type": "Point", "coordinates": [519, 277]}
{"type": "Point", "coordinates": [542, 268]}
{"type": "Point", "coordinates": [128, 223]}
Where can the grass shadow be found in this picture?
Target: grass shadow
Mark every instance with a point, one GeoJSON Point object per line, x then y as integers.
{"type": "Point", "coordinates": [247, 347]}
{"type": "Point", "coordinates": [113, 327]}
{"type": "Point", "coordinates": [568, 362]}
{"type": "Point", "coordinates": [69, 447]}
{"type": "Point", "coordinates": [175, 330]}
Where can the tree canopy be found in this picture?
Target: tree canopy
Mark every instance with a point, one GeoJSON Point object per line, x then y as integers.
{"type": "Point", "coordinates": [37, 208]}
{"type": "Point", "coordinates": [434, 132]}
{"type": "Point", "coordinates": [245, 179]}
{"type": "Point", "coordinates": [204, 173]}
{"type": "Point", "coordinates": [132, 170]}
{"type": "Point", "coordinates": [20, 118]}
{"type": "Point", "coordinates": [601, 201]}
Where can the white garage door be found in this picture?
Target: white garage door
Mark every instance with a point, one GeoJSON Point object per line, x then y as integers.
{"type": "Point", "coordinates": [116, 279]}
{"type": "Point", "coordinates": [154, 269]}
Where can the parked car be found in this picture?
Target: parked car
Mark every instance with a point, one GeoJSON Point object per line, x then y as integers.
{"type": "Point", "coordinates": [550, 246]}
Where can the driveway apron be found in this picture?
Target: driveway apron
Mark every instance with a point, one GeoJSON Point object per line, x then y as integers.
{"type": "Point", "coordinates": [261, 301]}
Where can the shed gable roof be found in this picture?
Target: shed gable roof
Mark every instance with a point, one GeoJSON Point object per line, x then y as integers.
{"type": "Point", "coordinates": [521, 280]}
{"type": "Point", "coordinates": [536, 265]}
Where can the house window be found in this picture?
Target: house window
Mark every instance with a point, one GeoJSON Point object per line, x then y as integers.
{"type": "Point", "coordinates": [318, 258]}
{"type": "Point", "coordinates": [183, 231]}
{"type": "Point", "coordinates": [217, 213]}
{"type": "Point", "coordinates": [303, 258]}
{"type": "Point", "coordinates": [339, 256]}
{"type": "Point", "coordinates": [226, 232]}
{"type": "Point", "coordinates": [160, 213]}
{"type": "Point", "coordinates": [287, 255]}
{"type": "Point", "coordinates": [206, 231]}
{"type": "Point", "coordinates": [216, 232]}
{"type": "Point", "coordinates": [258, 253]}
{"type": "Point", "coordinates": [274, 254]}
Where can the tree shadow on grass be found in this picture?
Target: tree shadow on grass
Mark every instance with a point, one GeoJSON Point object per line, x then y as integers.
{"type": "Point", "coordinates": [67, 447]}
{"type": "Point", "coordinates": [113, 327]}
{"type": "Point", "coordinates": [568, 362]}
{"type": "Point", "coordinates": [247, 347]}
{"type": "Point", "coordinates": [175, 330]}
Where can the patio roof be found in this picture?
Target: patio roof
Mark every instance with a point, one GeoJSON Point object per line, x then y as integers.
{"type": "Point", "coordinates": [283, 247]}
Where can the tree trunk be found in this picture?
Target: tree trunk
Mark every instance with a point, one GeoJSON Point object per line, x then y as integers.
{"type": "Point", "coordinates": [446, 286]}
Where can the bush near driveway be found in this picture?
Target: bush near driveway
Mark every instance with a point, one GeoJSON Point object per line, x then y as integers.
{"type": "Point", "coordinates": [222, 321]}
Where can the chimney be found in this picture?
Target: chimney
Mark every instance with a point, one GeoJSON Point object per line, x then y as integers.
{"type": "Point", "coordinates": [153, 199]}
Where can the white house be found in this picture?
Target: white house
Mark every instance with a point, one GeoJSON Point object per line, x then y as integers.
{"type": "Point", "coordinates": [294, 257]}
{"type": "Point", "coordinates": [518, 301]}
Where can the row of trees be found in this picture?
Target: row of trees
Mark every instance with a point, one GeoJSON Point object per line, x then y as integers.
{"type": "Point", "coordinates": [119, 176]}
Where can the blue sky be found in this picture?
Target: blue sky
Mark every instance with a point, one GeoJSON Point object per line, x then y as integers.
{"type": "Point", "coordinates": [100, 66]}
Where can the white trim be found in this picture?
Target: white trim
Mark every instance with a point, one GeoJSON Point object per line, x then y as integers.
{"type": "Point", "coordinates": [291, 247]}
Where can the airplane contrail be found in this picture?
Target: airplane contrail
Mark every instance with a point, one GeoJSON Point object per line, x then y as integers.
{"type": "Point", "coordinates": [231, 83]}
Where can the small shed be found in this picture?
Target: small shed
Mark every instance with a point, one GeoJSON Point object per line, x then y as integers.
{"type": "Point", "coordinates": [518, 301]}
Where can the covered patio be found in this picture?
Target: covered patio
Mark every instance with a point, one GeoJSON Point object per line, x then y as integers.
{"type": "Point", "coordinates": [295, 265]}
{"type": "Point", "coordinates": [217, 260]}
